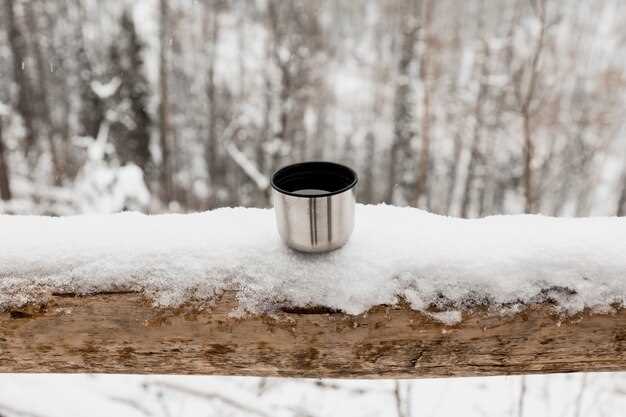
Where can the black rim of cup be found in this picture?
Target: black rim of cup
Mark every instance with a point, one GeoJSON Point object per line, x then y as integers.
{"type": "Point", "coordinates": [331, 177]}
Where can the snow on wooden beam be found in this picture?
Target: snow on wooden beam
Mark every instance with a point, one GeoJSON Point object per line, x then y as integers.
{"type": "Point", "coordinates": [124, 333]}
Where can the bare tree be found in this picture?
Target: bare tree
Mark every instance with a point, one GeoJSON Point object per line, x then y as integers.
{"type": "Point", "coordinates": [25, 99]}
{"type": "Point", "coordinates": [525, 87]}
{"type": "Point", "coordinates": [5, 183]}
{"type": "Point", "coordinates": [32, 21]}
{"type": "Point", "coordinates": [166, 167]}
{"type": "Point", "coordinates": [91, 111]}
{"type": "Point", "coordinates": [403, 131]}
{"type": "Point", "coordinates": [367, 188]}
{"type": "Point", "coordinates": [60, 26]}
{"type": "Point", "coordinates": [297, 48]}
{"type": "Point", "coordinates": [475, 143]}
{"type": "Point", "coordinates": [215, 166]}
{"type": "Point", "coordinates": [423, 167]}
{"type": "Point", "coordinates": [268, 107]}
{"type": "Point", "coordinates": [452, 120]}
{"type": "Point", "coordinates": [621, 202]}
{"type": "Point", "coordinates": [131, 129]}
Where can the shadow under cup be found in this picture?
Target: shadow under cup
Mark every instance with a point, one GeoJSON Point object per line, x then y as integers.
{"type": "Point", "coordinates": [314, 205]}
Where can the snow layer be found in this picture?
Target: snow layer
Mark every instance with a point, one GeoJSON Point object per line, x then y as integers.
{"type": "Point", "coordinates": [428, 260]}
{"type": "Point", "coordinates": [564, 395]}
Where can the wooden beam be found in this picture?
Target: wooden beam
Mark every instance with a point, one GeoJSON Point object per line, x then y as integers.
{"type": "Point", "coordinates": [123, 333]}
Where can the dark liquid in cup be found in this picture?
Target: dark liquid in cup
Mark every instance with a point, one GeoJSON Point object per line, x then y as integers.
{"type": "Point", "coordinates": [310, 192]}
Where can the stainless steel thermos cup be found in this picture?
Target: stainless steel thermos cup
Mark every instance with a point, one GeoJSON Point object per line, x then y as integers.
{"type": "Point", "coordinates": [314, 205]}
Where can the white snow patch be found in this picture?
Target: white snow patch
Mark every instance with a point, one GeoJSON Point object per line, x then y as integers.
{"type": "Point", "coordinates": [105, 91]}
{"type": "Point", "coordinates": [428, 260]}
{"type": "Point", "coordinates": [447, 317]}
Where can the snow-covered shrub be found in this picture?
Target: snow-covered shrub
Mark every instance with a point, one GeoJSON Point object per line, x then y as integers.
{"type": "Point", "coordinates": [103, 186]}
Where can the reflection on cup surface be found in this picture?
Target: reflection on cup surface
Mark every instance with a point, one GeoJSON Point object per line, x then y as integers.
{"type": "Point", "coordinates": [311, 192]}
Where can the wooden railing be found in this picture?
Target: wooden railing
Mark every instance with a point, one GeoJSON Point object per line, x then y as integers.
{"type": "Point", "coordinates": [124, 333]}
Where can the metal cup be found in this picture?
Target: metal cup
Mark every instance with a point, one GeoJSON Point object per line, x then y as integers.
{"type": "Point", "coordinates": [314, 205]}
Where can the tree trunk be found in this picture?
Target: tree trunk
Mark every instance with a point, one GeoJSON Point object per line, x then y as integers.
{"type": "Point", "coordinates": [452, 120]}
{"type": "Point", "coordinates": [25, 99]}
{"type": "Point", "coordinates": [281, 135]}
{"type": "Point", "coordinates": [457, 149]}
{"type": "Point", "coordinates": [42, 77]}
{"type": "Point", "coordinates": [402, 113]}
{"type": "Point", "coordinates": [528, 153]}
{"type": "Point", "coordinates": [621, 203]}
{"type": "Point", "coordinates": [477, 134]}
{"type": "Point", "coordinates": [421, 182]}
{"type": "Point", "coordinates": [268, 107]}
{"type": "Point", "coordinates": [285, 92]}
{"type": "Point", "coordinates": [166, 169]}
{"type": "Point", "coordinates": [367, 189]}
{"type": "Point", "coordinates": [525, 100]}
{"type": "Point", "coordinates": [66, 77]}
{"type": "Point", "coordinates": [92, 110]}
{"type": "Point", "coordinates": [214, 165]}
{"type": "Point", "coordinates": [5, 183]}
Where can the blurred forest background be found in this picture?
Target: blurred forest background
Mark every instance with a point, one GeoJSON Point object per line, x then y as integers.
{"type": "Point", "coordinates": [466, 108]}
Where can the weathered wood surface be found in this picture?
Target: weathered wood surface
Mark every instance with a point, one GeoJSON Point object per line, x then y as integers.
{"type": "Point", "coordinates": [123, 333]}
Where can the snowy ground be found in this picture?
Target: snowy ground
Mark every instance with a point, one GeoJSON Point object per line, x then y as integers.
{"type": "Point", "coordinates": [180, 396]}
{"type": "Point", "coordinates": [427, 259]}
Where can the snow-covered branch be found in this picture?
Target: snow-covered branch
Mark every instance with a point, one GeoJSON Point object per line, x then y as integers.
{"type": "Point", "coordinates": [247, 166]}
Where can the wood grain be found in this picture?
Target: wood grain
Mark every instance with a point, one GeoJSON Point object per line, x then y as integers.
{"type": "Point", "coordinates": [123, 333]}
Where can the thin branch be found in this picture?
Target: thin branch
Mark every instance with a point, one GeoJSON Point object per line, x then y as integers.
{"type": "Point", "coordinates": [262, 386]}
{"type": "Point", "coordinates": [579, 398]}
{"type": "Point", "coordinates": [132, 403]}
{"type": "Point", "coordinates": [17, 412]}
{"type": "Point", "coordinates": [163, 404]}
{"type": "Point", "coordinates": [210, 396]}
{"type": "Point", "coordinates": [399, 403]}
{"type": "Point", "coordinates": [534, 65]}
{"type": "Point", "coordinates": [409, 393]}
{"type": "Point", "coordinates": [522, 397]}
{"type": "Point", "coordinates": [333, 386]}
{"type": "Point", "coordinates": [300, 412]}
{"type": "Point", "coordinates": [247, 166]}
